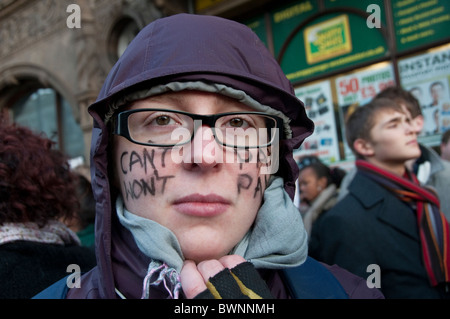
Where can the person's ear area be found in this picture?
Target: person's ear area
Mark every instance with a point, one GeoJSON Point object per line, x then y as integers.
{"type": "Point", "coordinates": [363, 147]}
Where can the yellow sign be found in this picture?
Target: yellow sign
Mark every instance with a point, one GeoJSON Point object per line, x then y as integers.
{"type": "Point", "coordinates": [205, 4]}
{"type": "Point", "coordinates": [327, 39]}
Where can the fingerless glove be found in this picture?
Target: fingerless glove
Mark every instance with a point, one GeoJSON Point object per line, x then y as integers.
{"type": "Point", "coordinates": [241, 282]}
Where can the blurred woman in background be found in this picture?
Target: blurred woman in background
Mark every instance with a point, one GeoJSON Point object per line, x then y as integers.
{"type": "Point", "coordinates": [37, 195]}
{"type": "Point", "coordinates": [318, 188]}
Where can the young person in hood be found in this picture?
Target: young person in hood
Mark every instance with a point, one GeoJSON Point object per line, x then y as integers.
{"type": "Point", "coordinates": [193, 173]}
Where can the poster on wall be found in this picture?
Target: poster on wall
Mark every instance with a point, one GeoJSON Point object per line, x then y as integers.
{"type": "Point", "coordinates": [427, 77]}
{"type": "Point", "coordinates": [358, 88]}
{"type": "Point", "coordinates": [319, 108]}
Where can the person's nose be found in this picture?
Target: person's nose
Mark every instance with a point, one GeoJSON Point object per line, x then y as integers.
{"type": "Point", "coordinates": [204, 152]}
{"type": "Point", "coordinates": [410, 128]}
{"type": "Point", "coordinates": [416, 126]}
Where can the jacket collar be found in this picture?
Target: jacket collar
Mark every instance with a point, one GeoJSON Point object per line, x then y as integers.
{"type": "Point", "coordinates": [391, 211]}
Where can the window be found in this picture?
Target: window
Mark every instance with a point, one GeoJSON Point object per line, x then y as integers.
{"type": "Point", "coordinates": [122, 34]}
{"type": "Point", "coordinates": [45, 110]}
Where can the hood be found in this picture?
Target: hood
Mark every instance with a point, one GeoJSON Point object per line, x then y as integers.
{"type": "Point", "coordinates": [157, 55]}
{"type": "Point", "coordinates": [235, 59]}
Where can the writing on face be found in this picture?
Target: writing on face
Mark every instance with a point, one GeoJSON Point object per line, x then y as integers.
{"type": "Point", "coordinates": [149, 164]}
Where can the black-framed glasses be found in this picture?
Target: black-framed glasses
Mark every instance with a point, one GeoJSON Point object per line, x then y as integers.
{"type": "Point", "coordinates": [169, 128]}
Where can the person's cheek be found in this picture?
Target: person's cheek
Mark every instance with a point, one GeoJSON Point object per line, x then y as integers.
{"type": "Point", "coordinates": [143, 173]}
{"type": "Point", "coordinates": [250, 180]}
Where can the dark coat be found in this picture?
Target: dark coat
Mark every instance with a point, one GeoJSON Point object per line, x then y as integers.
{"type": "Point", "coordinates": [28, 267]}
{"type": "Point", "coordinates": [372, 226]}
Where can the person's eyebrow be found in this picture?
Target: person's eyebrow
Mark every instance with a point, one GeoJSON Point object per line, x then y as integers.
{"type": "Point", "coordinates": [167, 98]}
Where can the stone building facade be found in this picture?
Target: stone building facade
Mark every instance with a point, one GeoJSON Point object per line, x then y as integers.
{"type": "Point", "coordinates": [42, 49]}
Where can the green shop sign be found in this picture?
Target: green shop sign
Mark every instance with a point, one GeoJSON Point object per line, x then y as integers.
{"type": "Point", "coordinates": [310, 43]}
{"type": "Point", "coordinates": [312, 38]}
{"type": "Point", "coordinates": [327, 40]}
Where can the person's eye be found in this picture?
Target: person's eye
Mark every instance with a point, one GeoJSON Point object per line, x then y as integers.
{"type": "Point", "coordinates": [237, 122]}
{"type": "Point", "coordinates": [243, 122]}
{"type": "Point", "coordinates": [392, 125]}
{"type": "Point", "coordinates": [158, 119]}
{"type": "Point", "coordinates": [163, 120]}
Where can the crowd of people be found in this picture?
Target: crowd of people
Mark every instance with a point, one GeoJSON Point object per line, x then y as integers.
{"type": "Point", "coordinates": [391, 209]}
{"type": "Point", "coordinates": [193, 182]}
{"type": "Point", "coordinates": [387, 217]}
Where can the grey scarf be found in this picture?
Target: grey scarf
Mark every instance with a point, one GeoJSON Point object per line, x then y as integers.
{"type": "Point", "coordinates": [277, 240]}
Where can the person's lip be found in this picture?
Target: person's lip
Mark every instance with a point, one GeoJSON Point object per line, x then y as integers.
{"type": "Point", "coordinates": [412, 142]}
{"type": "Point", "coordinates": [201, 205]}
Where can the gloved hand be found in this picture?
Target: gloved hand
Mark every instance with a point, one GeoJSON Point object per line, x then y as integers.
{"type": "Point", "coordinates": [230, 277]}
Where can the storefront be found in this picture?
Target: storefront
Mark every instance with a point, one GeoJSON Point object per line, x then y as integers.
{"type": "Point", "coordinates": [340, 53]}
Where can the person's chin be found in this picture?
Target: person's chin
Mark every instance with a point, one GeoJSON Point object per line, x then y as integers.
{"type": "Point", "coordinates": [204, 249]}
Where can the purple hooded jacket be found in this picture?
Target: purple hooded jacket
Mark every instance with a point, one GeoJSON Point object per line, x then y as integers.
{"type": "Point", "coordinates": [235, 58]}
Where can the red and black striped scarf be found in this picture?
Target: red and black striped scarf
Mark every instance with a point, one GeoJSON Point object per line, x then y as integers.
{"type": "Point", "coordinates": [433, 226]}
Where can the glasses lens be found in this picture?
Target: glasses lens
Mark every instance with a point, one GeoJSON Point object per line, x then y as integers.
{"type": "Point", "coordinates": [169, 128]}
{"type": "Point", "coordinates": [245, 130]}
{"type": "Point", "coordinates": [160, 127]}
